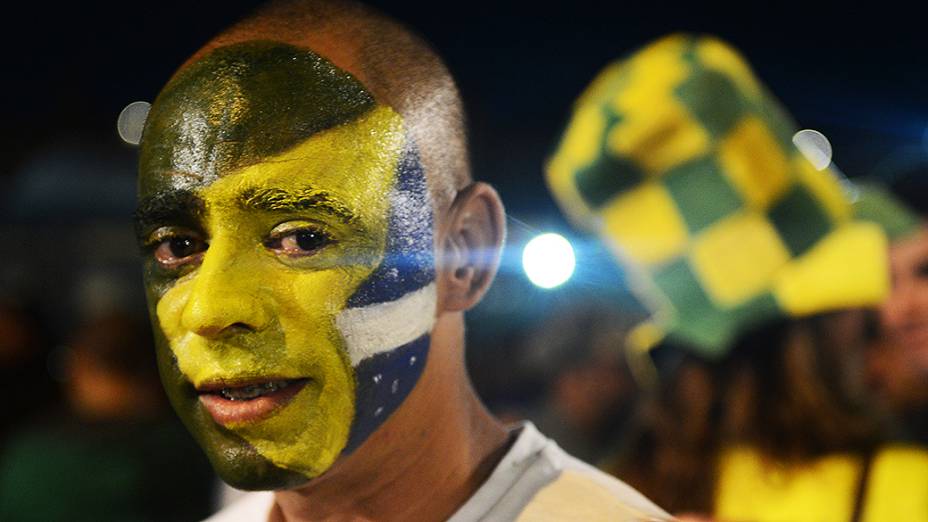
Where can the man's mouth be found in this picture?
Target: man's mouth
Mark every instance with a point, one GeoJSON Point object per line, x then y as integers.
{"type": "Point", "coordinates": [248, 402]}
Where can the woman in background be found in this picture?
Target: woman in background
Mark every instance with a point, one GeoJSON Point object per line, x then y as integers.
{"type": "Point", "coordinates": [759, 277]}
{"type": "Point", "coordinates": [897, 361]}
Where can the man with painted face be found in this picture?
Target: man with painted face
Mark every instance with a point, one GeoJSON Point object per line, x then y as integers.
{"type": "Point", "coordinates": [312, 238]}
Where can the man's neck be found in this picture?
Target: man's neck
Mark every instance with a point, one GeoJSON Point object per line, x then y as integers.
{"type": "Point", "coordinates": [424, 462]}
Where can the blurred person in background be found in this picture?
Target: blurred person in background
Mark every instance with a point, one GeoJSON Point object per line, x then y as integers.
{"type": "Point", "coordinates": [759, 278]}
{"type": "Point", "coordinates": [589, 392]}
{"type": "Point", "coordinates": [24, 353]}
{"type": "Point", "coordinates": [75, 184]}
{"type": "Point", "coordinates": [897, 361]}
{"type": "Point", "coordinates": [114, 454]}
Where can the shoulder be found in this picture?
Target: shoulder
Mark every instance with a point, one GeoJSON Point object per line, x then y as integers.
{"type": "Point", "coordinates": [582, 492]}
{"type": "Point", "coordinates": [251, 507]}
{"type": "Point", "coordinates": [537, 481]}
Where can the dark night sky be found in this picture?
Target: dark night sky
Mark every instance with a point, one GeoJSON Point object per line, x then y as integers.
{"type": "Point", "coordinates": [856, 73]}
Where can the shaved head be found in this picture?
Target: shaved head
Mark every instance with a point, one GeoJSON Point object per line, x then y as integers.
{"type": "Point", "coordinates": [397, 67]}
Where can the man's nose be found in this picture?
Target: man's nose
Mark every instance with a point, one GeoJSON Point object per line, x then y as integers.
{"type": "Point", "coordinates": [225, 295]}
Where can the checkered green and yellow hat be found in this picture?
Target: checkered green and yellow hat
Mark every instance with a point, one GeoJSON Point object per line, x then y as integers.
{"type": "Point", "coordinates": [683, 163]}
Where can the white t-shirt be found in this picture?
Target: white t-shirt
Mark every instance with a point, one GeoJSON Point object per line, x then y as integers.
{"type": "Point", "coordinates": [535, 482]}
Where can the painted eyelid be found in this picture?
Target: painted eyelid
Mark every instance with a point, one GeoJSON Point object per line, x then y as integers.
{"type": "Point", "coordinates": [282, 229]}
{"type": "Point", "coordinates": [286, 229]}
{"type": "Point", "coordinates": [166, 232]}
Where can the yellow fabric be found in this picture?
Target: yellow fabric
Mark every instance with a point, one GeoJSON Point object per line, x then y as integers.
{"type": "Point", "coordinates": [751, 489]}
{"type": "Point", "coordinates": [754, 163]}
{"type": "Point", "coordinates": [656, 71]}
{"type": "Point", "coordinates": [898, 486]}
{"type": "Point", "coordinates": [825, 186]}
{"type": "Point", "coordinates": [718, 55]}
{"type": "Point", "coordinates": [738, 258]}
{"type": "Point", "coordinates": [826, 279]}
{"type": "Point", "coordinates": [574, 496]}
{"type": "Point", "coordinates": [645, 222]}
{"type": "Point", "coordinates": [579, 149]}
{"type": "Point", "coordinates": [658, 132]}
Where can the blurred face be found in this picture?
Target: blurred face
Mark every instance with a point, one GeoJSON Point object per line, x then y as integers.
{"type": "Point", "coordinates": [288, 260]}
{"type": "Point", "coordinates": [902, 357]}
{"type": "Point", "coordinates": [904, 316]}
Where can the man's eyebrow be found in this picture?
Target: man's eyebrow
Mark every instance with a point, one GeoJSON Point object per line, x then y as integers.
{"type": "Point", "coordinates": [280, 200]}
{"type": "Point", "coordinates": [180, 207]}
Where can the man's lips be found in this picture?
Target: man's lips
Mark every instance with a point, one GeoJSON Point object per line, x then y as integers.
{"type": "Point", "coordinates": [248, 402]}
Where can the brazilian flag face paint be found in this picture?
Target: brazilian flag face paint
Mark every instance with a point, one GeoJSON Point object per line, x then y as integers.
{"type": "Point", "coordinates": [288, 238]}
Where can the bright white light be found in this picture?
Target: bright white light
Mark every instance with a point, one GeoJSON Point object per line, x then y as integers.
{"type": "Point", "coordinates": [814, 146]}
{"type": "Point", "coordinates": [548, 260]}
{"type": "Point", "coordinates": [131, 121]}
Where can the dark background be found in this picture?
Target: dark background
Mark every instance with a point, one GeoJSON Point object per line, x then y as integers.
{"type": "Point", "coordinates": [855, 73]}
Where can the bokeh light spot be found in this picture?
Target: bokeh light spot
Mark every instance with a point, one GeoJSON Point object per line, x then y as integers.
{"type": "Point", "coordinates": [548, 260]}
{"type": "Point", "coordinates": [814, 146]}
{"type": "Point", "coordinates": [131, 121]}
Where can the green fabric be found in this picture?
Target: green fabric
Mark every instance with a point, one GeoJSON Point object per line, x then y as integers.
{"type": "Point", "coordinates": [699, 93]}
{"type": "Point", "coordinates": [800, 220]}
{"type": "Point", "coordinates": [701, 192]}
{"type": "Point", "coordinates": [699, 324]}
{"type": "Point", "coordinates": [777, 121]}
{"type": "Point", "coordinates": [609, 175]}
{"type": "Point", "coordinates": [696, 317]}
{"type": "Point", "coordinates": [875, 203]}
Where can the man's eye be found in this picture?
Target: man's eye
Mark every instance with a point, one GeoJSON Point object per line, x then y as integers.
{"type": "Point", "coordinates": [299, 242]}
{"type": "Point", "coordinates": [175, 251]}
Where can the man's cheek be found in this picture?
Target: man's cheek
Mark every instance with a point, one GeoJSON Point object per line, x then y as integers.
{"type": "Point", "coordinates": [308, 434]}
{"type": "Point", "coordinates": [169, 309]}
{"type": "Point", "coordinates": [169, 321]}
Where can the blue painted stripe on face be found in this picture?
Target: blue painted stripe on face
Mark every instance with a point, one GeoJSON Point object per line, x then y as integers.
{"type": "Point", "coordinates": [384, 381]}
{"type": "Point", "coordinates": [408, 262]}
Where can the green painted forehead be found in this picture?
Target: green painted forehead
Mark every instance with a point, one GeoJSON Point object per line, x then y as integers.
{"type": "Point", "coordinates": [242, 103]}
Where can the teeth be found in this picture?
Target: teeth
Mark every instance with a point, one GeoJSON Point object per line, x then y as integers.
{"type": "Point", "coordinates": [253, 391]}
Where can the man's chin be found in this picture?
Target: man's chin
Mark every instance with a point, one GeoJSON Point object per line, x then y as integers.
{"type": "Point", "coordinates": [243, 468]}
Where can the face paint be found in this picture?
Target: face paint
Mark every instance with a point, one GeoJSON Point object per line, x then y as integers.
{"type": "Point", "coordinates": [290, 274]}
{"type": "Point", "coordinates": [241, 104]}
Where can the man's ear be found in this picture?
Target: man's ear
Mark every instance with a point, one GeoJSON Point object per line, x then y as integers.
{"type": "Point", "coordinates": [471, 240]}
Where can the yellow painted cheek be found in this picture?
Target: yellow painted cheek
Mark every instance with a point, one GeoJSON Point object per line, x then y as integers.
{"type": "Point", "coordinates": [215, 296]}
{"type": "Point", "coordinates": [309, 433]}
{"type": "Point", "coordinates": [193, 357]}
{"type": "Point", "coordinates": [170, 308]}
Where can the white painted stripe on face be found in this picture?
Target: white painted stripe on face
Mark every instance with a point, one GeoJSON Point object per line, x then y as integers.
{"type": "Point", "coordinates": [382, 327]}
